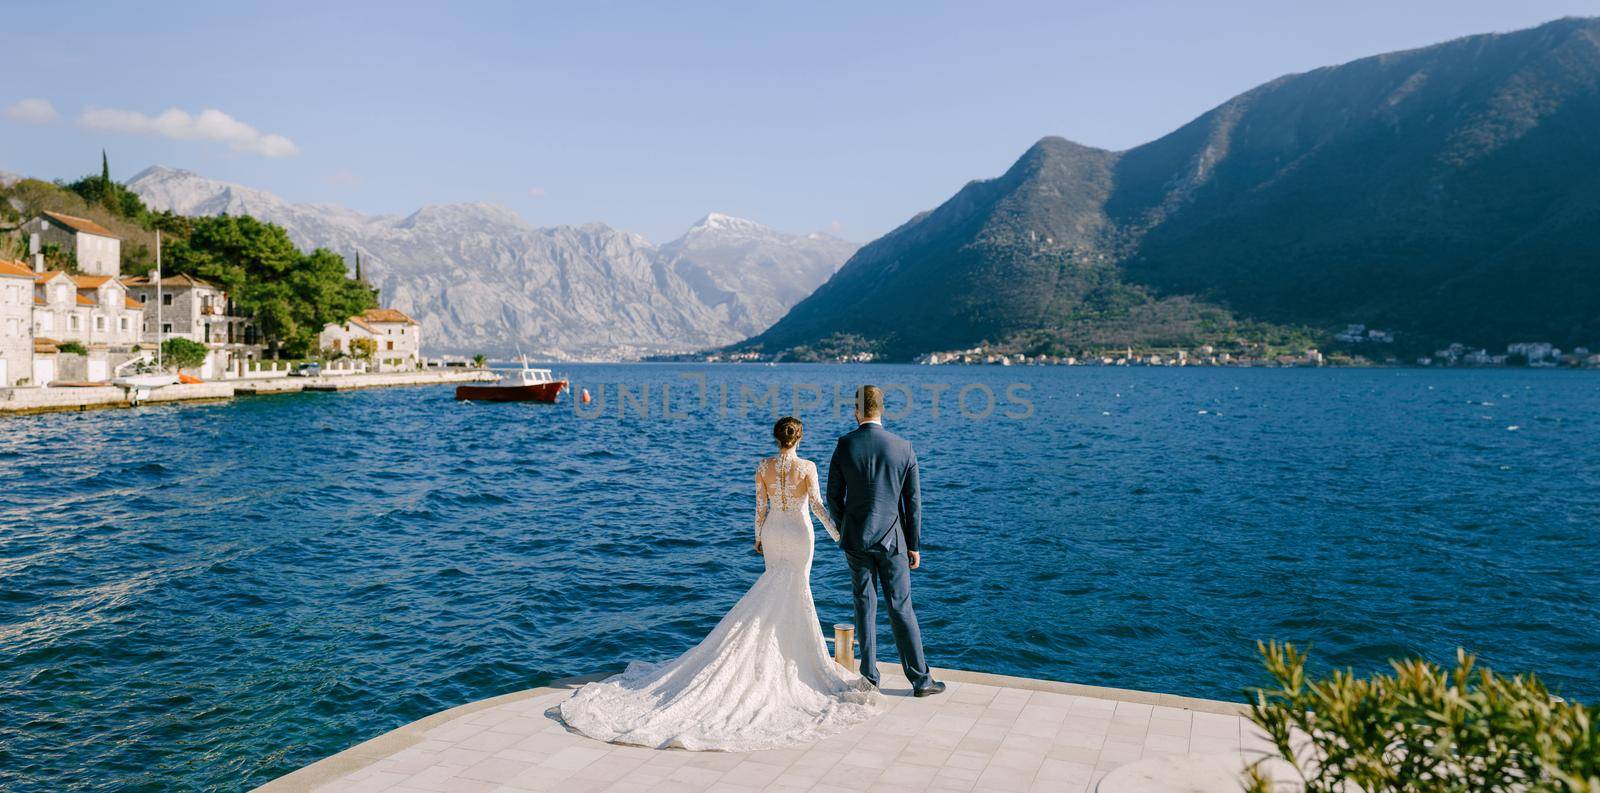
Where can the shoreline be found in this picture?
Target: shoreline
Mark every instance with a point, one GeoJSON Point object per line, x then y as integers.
{"type": "Point", "coordinates": [33, 401]}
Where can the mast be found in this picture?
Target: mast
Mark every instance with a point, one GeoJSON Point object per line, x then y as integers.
{"type": "Point", "coordinates": [159, 338]}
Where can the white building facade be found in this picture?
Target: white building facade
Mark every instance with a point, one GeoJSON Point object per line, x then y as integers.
{"type": "Point", "coordinates": [195, 309]}
{"type": "Point", "coordinates": [95, 249]}
{"type": "Point", "coordinates": [398, 338]}
{"type": "Point", "coordinates": [88, 309]}
{"type": "Point", "coordinates": [16, 324]}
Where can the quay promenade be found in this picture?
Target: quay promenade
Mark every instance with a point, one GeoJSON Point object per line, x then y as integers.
{"type": "Point", "coordinates": [15, 401]}
{"type": "Point", "coordinates": [987, 733]}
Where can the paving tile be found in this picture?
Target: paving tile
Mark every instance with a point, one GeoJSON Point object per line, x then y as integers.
{"type": "Point", "coordinates": [1005, 780]}
{"type": "Point", "coordinates": [753, 774]}
{"type": "Point", "coordinates": [850, 777]}
{"type": "Point", "coordinates": [1214, 725]}
{"type": "Point", "coordinates": [922, 754]}
{"type": "Point", "coordinates": [573, 758]}
{"type": "Point", "coordinates": [1064, 771]}
{"type": "Point", "coordinates": [975, 738]}
{"type": "Point", "coordinates": [952, 778]}
{"type": "Point", "coordinates": [494, 769]}
{"type": "Point", "coordinates": [692, 775]}
{"type": "Point", "coordinates": [490, 741]}
{"type": "Point", "coordinates": [907, 777]}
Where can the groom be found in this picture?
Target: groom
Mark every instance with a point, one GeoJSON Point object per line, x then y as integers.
{"type": "Point", "coordinates": [873, 498]}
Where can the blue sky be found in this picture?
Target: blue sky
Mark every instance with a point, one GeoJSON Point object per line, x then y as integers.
{"type": "Point", "coordinates": [847, 117]}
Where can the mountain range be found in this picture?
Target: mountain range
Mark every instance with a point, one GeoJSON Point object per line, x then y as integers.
{"type": "Point", "coordinates": [481, 279]}
{"type": "Point", "coordinates": [1450, 192]}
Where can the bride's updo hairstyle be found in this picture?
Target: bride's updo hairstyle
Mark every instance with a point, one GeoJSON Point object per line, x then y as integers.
{"type": "Point", "coordinates": [787, 432]}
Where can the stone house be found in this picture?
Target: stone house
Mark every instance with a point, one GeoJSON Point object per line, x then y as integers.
{"type": "Point", "coordinates": [89, 309]}
{"type": "Point", "coordinates": [96, 250]}
{"type": "Point", "coordinates": [195, 309]}
{"type": "Point", "coordinates": [398, 338]}
{"type": "Point", "coordinates": [16, 323]}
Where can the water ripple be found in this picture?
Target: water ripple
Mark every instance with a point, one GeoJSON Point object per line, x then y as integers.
{"type": "Point", "coordinates": [206, 597]}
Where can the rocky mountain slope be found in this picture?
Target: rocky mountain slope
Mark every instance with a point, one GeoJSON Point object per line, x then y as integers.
{"type": "Point", "coordinates": [1451, 192]}
{"type": "Point", "coordinates": [480, 278]}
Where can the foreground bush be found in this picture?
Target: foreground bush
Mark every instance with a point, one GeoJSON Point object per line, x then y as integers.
{"type": "Point", "coordinates": [1423, 728]}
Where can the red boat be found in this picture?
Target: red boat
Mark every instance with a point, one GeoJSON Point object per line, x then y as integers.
{"type": "Point", "coordinates": [529, 385]}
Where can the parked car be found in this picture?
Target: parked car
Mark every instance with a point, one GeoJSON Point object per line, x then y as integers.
{"type": "Point", "coordinates": [307, 369]}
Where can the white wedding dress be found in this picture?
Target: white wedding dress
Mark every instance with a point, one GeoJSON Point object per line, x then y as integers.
{"type": "Point", "coordinates": [763, 678]}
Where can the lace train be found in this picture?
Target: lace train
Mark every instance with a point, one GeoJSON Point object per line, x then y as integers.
{"type": "Point", "coordinates": [762, 679]}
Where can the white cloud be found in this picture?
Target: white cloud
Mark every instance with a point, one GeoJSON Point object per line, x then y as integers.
{"type": "Point", "coordinates": [836, 227]}
{"type": "Point", "coordinates": [33, 111]}
{"type": "Point", "coordinates": [536, 192]}
{"type": "Point", "coordinates": [211, 125]}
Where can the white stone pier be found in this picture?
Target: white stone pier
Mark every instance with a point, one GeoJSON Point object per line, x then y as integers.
{"type": "Point", "coordinates": [986, 733]}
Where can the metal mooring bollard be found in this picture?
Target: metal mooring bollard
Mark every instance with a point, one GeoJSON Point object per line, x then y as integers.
{"type": "Point", "coordinates": [844, 639]}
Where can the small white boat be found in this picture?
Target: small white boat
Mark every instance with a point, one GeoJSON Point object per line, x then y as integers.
{"type": "Point", "coordinates": [148, 380]}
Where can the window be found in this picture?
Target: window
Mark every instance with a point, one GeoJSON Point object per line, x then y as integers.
{"type": "Point", "coordinates": [166, 299]}
{"type": "Point", "coordinates": [99, 323]}
{"type": "Point", "coordinates": [75, 321]}
{"type": "Point", "coordinates": [123, 324]}
{"type": "Point", "coordinates": [391, 344]}
{"type": "Point", "coordinates": [166, 327]}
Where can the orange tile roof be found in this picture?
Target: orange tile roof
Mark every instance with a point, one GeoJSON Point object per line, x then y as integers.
{"type": "Point", "coordinates": [182, 279]}
{"type": "Point", "coordinates": [389, 315]}
{"type": "Point", "coordinates": [10, 267]}
{"type": "Point", "coordinates": [90, 281]}
{"type": "Point", "coordinates": [80, 224]}
{"type": "Point", "coordinates": [86, 301]}
{"type": "Point", "coordinates": [42, 344]}
{"type": "Point", "coordinates": [131, 303]}
{"type": "Point", "coordinates": [363, 323]}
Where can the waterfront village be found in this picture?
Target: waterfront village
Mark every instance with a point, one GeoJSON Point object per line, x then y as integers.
{"type": "Point", "coordinates": [1541, 355]}
{"type": "Point", "coordinates": [1359, 346]}
{"type": "Point", "coordinates": [61, 329]}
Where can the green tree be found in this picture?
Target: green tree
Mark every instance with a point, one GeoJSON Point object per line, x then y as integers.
{"type": "Point", "coordinates": [101, 190]}
{"type": "Point", "coordinates": [363, 348]}
{"type": "Point", "coordinates": [291, 295]}
{"type": "Point", "coordinates": [480, 360]}
{"type": "Point", "coordinates": [182, 353]}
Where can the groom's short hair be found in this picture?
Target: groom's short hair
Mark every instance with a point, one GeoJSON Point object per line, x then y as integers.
{"type": "Point", "coordinates": [869, 401]}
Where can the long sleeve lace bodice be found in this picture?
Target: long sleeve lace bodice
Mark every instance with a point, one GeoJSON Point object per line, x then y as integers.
{"type": "Point", "coordinates": [814, 494]}
{"type": "Point", "coordinates": [790, 480]}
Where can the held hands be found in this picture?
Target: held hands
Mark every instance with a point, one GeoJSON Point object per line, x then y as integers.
{"type": "Point", "coordinates": [916, 559]}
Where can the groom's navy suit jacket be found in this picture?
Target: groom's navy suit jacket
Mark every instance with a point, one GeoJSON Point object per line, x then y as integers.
{"type": "Point", "coordinates": [873, 491]}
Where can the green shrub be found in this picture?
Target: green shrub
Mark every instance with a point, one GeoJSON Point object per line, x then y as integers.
{"type": "Point", "coordinates": [1423, 729]}
{"type": "Point", "coordinates": [74, 347]}
{"type": "Point", "coordinates": [182, 353]}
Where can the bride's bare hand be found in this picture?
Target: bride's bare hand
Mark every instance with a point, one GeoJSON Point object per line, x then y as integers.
{"type": "Point", "coordinates": [758, 546]}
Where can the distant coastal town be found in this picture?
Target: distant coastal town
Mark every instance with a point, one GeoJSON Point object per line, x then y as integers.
{"type": "Point", "coordinates": [85, 324]}
{"type": "Point", "coordinates": [78, 331]}
{"type": "Point", "coordinates": [1356, 345]}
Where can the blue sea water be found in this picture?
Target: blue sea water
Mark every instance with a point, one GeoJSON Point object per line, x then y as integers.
{"type": "Point", "coordinates": [206, 597]}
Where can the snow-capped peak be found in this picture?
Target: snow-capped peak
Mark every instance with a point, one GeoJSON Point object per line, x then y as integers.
{"type": "Point", "coordinates": [716, 221]}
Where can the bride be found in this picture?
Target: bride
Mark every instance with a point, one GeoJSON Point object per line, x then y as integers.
{"type": "Point", "coordinates": [763, 678]}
